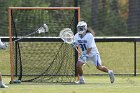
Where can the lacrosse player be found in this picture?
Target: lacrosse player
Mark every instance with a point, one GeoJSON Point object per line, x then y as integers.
{"type": "Point", "coordinates": [2, 46]}
{"type": "Point", "coordinates": [85, 40]}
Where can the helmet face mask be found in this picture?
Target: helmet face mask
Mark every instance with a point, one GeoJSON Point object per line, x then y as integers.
{"type": "Point", "coordinates": [81, 27]}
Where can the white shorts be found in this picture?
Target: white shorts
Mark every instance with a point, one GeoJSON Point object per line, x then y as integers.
{"type": "Point", "coordinates": [95, 59]}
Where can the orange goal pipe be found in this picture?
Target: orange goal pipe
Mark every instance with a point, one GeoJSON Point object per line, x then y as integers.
{"type": "Point", "coordinates": [10, 39]}
{"type": "Point", "coordinates": [43, 8]}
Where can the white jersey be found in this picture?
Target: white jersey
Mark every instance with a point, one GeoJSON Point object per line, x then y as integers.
{"type": "Point", "coordinates": [86, 42]}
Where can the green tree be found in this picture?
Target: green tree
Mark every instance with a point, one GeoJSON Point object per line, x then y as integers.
{"type": "Point", "coordinates": [134, 17]}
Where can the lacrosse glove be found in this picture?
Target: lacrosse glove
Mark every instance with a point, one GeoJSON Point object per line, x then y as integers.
{"type": "Point", "coordinates": [84, 57]}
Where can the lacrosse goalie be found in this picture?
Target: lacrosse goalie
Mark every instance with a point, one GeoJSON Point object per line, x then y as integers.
{"type": "Point", "coordinates": [85, 39]}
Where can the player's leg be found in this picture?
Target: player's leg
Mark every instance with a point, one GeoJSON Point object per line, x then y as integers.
{"type": "Point", "coordinates": [110, 72]}
{"type": "Point", "coordinates": [98, 64]}
{"type": "Point", "coordinates": [79, 71]}
{"type": "Point", "coordinates": [2, 85]}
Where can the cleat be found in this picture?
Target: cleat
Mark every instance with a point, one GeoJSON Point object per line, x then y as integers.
{"type": "Point", "coordinates": [111, 75]}
{"type": "Point", "coordinates": [3, 86]}
{"type": "Point", "coordinates": [80, 82]}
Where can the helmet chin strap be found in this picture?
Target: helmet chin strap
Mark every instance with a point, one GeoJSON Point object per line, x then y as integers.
{"type": "Point", "coordinates": [82, 35]}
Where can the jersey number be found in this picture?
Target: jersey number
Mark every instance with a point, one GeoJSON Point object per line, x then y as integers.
{"type": "Point", "coordinates": [83, 47]}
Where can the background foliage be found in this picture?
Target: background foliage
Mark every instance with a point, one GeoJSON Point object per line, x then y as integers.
{"type": "Point", "coordinates": [106, 17]}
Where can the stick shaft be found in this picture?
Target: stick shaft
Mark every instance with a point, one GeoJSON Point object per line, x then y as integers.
{"type": "Point", "coordinates": [24, 37]}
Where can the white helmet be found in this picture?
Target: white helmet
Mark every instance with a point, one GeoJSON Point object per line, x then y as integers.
{"type": "Point", "coordinates": [81, 27]}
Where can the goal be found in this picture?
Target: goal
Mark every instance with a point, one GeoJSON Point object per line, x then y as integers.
{"type": "Point", "coordinates": [41, 57]}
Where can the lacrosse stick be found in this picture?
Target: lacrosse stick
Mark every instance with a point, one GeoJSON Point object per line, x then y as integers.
{"type": "Point", "coordinates": [42, 29]}
{"type": "Point", "coordinates": [68, 37]}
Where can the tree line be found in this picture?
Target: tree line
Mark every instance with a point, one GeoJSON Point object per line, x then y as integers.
{"type": "Point", "coordinates": [106, 17]}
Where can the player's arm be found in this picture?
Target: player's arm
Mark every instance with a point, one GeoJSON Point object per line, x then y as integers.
{"type": "Point", "coordinates": [89, 50]}
{"type": "Point", "coordinates": [3, 45]}
{"type": "Point", "coordinates": [84, 57]}
{"type": "Point", "coordinates": [90, 44]}
{"type": "Point", "coordinates": [75, 43]}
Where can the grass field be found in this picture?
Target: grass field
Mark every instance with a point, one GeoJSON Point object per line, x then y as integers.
{"type": "Point", "coordinates": [94, 84]}
{"type": "Point", "coordinates": [115, 53]}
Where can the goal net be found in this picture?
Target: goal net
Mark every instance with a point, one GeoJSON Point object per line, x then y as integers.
{"type": "Point", "coordinates": [41, 57]}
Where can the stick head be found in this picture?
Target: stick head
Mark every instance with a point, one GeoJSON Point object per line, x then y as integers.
{"type": "Point", "coordinates": [43, 29]}
{"type": "Point", "coordinates": [67, 35]}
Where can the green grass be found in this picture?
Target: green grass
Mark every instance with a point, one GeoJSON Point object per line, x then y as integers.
{"type": "Point", "coordinates": [117, 56]}
{"type": "Point", "coordinates": [5, 61]}
{"type": "Point", "coordinates": [94, 84]}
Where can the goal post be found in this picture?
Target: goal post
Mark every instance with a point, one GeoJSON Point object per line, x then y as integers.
{"type": "Point", "coordinates": [41, 57]}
